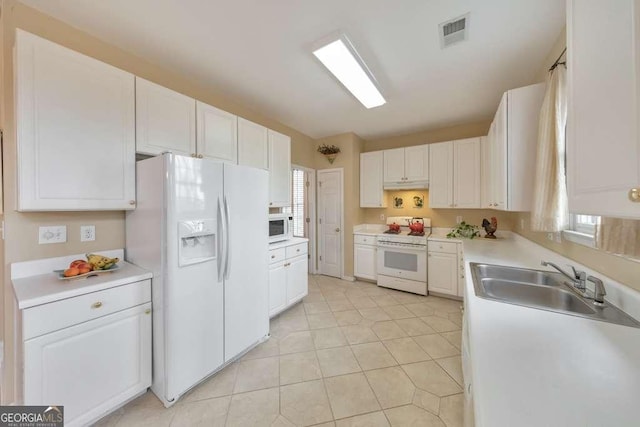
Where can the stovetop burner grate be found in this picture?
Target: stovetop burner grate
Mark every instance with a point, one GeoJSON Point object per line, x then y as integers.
{"type": "Point", "coordinates": [416, 233]}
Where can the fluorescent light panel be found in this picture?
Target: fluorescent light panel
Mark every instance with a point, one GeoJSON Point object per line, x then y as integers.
{"type": "Point", "coordinates": [344, 62]}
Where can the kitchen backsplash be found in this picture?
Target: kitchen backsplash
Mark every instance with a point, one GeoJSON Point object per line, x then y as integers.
{"type": "Point", "coordinates": [439, 217]}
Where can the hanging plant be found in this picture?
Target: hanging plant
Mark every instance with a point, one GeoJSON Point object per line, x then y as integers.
{"type": "Point", "coordinates": [329, 151]}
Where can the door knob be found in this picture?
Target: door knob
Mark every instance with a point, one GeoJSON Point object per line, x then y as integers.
{"type": "Point", "coordinates": [634, 195]}
{"type": "Point", "coordinates": [337, 230]}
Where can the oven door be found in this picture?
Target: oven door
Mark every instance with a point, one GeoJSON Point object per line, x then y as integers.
{"type": "Point", "coordinates": [403, 260]}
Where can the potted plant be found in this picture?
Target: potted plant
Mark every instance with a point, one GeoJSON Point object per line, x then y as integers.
{"type": "Point", "coordinates": [329, 151]}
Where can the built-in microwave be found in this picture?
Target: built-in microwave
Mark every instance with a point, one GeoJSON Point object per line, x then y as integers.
{"type": "Point", "coordinates": [280, 227]}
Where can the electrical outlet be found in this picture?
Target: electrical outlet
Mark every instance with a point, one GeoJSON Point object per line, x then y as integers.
{"type": "Point", "coordinates": [381, 217]}
{"type": "Point", "coordinates": [52, 234]}
{"type": "Point", "coordinates": [458, 219]}
{"type": "Point", "coordinates": [550, 236]}
{"type": "Point", "coordinates": [87, 233]}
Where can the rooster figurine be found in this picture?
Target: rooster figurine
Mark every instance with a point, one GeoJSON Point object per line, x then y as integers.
{"type": "Point", "coordinates": [490, 227]}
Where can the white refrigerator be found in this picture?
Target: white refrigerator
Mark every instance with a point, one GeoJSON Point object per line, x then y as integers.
{"type": "Point", "coordinates": [202, 227]}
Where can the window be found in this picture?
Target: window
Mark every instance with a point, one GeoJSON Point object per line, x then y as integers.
{"type": "Point", "coordinates": [297, 209]}
{"type": "Point", "coordinates": [582, 229]}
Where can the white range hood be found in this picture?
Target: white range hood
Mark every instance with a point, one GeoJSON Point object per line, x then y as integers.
{"type": "Point", "coordinates": [406, 185]}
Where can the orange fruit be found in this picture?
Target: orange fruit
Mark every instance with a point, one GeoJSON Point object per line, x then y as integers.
{"type": "Point", "coordinates": [77, 263]}
{"type": "Point", "coordinates": [70, 272]}
{"type": "Point", "coordinates": [84, 270]}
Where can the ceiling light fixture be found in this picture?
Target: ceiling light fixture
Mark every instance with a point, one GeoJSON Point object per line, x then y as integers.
{"type": "Point", "coordinates": [342, 60]}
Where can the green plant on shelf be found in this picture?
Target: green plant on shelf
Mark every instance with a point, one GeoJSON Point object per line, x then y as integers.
{"type": "Point", "coordinates": [464, 230]}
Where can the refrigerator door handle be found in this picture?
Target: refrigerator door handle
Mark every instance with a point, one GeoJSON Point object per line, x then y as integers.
{"type": "Point", "coordinates": [228, 246]}
{"type": "Point", "coordinates": [222, 232]}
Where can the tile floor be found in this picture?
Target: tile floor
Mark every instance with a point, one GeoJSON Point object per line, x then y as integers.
{"type": "Point", "coordinates": [351, 354]}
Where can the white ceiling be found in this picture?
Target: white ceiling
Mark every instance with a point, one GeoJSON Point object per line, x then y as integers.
{"type": "Point", "coordinates": [259, 53]}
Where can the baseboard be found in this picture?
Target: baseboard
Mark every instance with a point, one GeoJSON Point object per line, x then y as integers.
{"type": "Point", "coordinates": [349, 278]}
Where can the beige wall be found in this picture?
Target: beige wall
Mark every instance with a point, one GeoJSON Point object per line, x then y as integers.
{"type": "Point", "coordinates": [618, 268]}
{"type": "Point", "coordinates": [349, 160]}
{"type": "Point", "coordinates": [449, 133]}
{"type": "Point", "coordinates": [439, 217]}
{"type": "Point", "coordinates": [21, 241]}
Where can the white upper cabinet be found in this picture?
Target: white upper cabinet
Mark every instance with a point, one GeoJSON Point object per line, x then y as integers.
{"type": "Point", "coordinates": [165, 120]}
{"type": "Point", "coordinates": [394, 165]}
{"type": "Point", "coordinates": [511, 144]}
{"type": "Point", "coordinates": [253, 144]}
{"type": "Point", "coordinates": [466, 173]}
{"type": "Point", "coordinates": [75, 123]}
{"type": "Point", "coordinates": [217, 133]}
{"type": "Point", "coordinates": [603, 139]}
{"type": "Point", "coordinates": [371, 175]}
{"type": "Point", "coordinates": [485, 168]}
{"type": "Point", "coordinates": [454, 180]}
{"type": "Point", "coordinates": [416, 163]}
{"type": "Point", "coordinates": [279, 169]}
{"type": "Point", "coordinates": [441, 175]}
{"type": "Point", "coordinates": [406, 167]}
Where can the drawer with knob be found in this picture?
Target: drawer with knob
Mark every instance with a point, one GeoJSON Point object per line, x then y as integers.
{"type": "Point", "coordinates": [446, 247]}
{"type": "Point", "coordinates": [296, 250]}
{"type": "Point", "coordinates": [362, 239]}
{"type": "Point", "coordinates": [277, 255]}
{"type": "Point", "coordinates": [50, 317]}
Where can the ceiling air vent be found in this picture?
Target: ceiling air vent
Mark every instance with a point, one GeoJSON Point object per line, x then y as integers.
{"type": "Point", "coordinates": [454, 31]}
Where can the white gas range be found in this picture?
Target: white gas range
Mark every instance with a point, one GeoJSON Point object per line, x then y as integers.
{"type": "Point", "coordinates": [402, 257]}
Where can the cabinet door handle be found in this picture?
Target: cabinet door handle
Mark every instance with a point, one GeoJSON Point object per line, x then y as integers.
{"type": "Point", "coordinates": [337, 230]}
{"type": "Point", "coordinates": [132, 202]}
{"type": "Point", "coordinates": [147, 311]}
{"type": "Point", "coordinates": [200, 156]}
{"type": "Point", "coordinates": [634, 195]}
{"type": "Point", "coordinates": [273, 256]}
{"type": "Point", "coordinates": [297, 250]}
{"type": "Point", "coordinates": [97, 304]}
{"type": "Point", "coordinates": [270, 203]}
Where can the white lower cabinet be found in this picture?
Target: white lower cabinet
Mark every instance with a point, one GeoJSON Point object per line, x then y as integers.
{"type": "Point", "coordinates": [288, 275]}
{"type": "Point", "coordinates": [445, 268]}
{"type": "Point", "coordinates": [100, 358]}
{"type": "Point", "coordinates": [365, 257]}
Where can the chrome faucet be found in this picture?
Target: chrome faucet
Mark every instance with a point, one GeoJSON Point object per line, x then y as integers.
{"type": "Point", "coordinates": [599, 291]}
{"type": "Point", "coordinates": [579, 278]}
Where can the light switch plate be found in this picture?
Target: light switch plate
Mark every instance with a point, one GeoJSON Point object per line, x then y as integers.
{"type": "Point", "coordinates": [87, 233]}
{"type": "Point", "coordinates": [52, 234]}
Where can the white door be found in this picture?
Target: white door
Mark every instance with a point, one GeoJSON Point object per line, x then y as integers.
{"type": "Point", "coordinates": [364, 261]}
{"type": "Point", "coordinates": [246, 274]}
{"type": "Point", "coordinates": [277, 287]}
{"type": "Point", "coordinates": [279, 169]}
{"type": "Point", "coordinates": [91, 367]}
{"type": "Point", "coordinates": [394, 165]}
{"type": "Point", "coordinates": [485, 172]}
{"type": "Point", "coordinates": [217, 133]}
{"type": "Point", "coordinates": [330, 221]}
{"type": "Point", "coordinates": [443, 273]}
{"type": "Point", "coordinates": [297, 280]}
{"type": "Point", "coordinates": [466, 173]}
{"type": "Point", "coordinates": [416, 163]}
{"type": "Point", "coordinates": [499, 156]}
{"type": "Point", "coordinates": [371, 177]}
{"type": "Point", "coordinates": [441, 175]}
{"type": "Point", "coordinates": [75, 119]}
{"type": "Point", "coordinates": [603, 136]}
{"type": "Point", "coordinates": [253, 147]}
{"type": "Point", "coordinates": [165, 120]}
{"type": "Point", "coordinates": [193, 296]}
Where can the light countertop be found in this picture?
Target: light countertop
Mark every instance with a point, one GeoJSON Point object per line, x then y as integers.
{"type": "Point", "coordinates": [289, 242]}
{"type": "Point", "coordinates": [369, 229]}
{"type": "Point", "coordinates": [45, 288]}
{"type": "Point", "coordinates": [538, 368]}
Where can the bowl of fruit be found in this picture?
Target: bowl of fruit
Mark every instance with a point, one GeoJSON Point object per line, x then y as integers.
{"type": "Point", "coordinates": [95, 264]}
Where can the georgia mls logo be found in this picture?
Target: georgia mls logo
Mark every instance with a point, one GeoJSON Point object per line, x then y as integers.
{"type": "Point", "coordinates": [31, 416]}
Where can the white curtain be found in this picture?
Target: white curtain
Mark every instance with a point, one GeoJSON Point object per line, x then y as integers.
{"type": "Point", "coordinates": [619, 236]}
{"type": "Point", "coordinates": [550, 211]}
